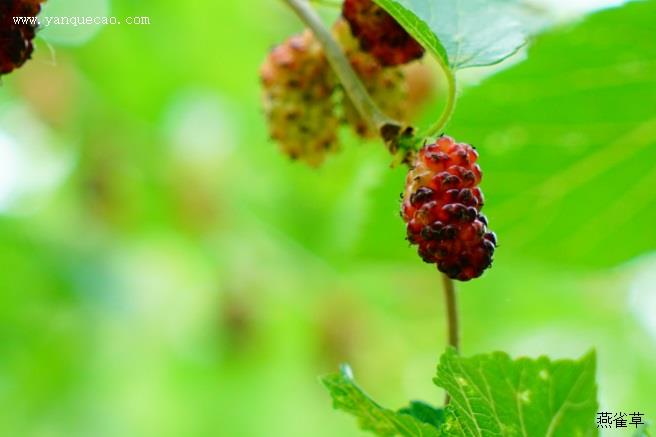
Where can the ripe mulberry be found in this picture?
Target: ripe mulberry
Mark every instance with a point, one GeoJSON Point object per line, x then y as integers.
{"type": "Point", "coordinates": [298, 99]}
{"type": "Point", "coordinates": [16, 39]}
{"type": "Point", "coordinates": [380, 34]}
{"type": "Point", "coordinates": [441, 207]}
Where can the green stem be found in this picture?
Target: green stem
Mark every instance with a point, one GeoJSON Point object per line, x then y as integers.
{"type": "Point", "coordinates": [453, 328]}
{"type": "Point", "coordinates": [342, 67]}
{"type": "Point", "coordinates": [452, 322]}
{"type": "Point", "coordinates": [450, 105]}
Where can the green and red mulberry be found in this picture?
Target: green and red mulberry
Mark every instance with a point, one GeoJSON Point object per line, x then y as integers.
{"type": "Point", "coordinates": [298, 88]}
{"type": "Point", "coordinates": [380, 34]}
{"type": "Point", "coordinates": [442, 209]}
{"type": "Point", "coordinates": [16, 44]}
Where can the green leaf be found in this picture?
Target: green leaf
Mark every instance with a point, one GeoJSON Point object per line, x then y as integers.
{"type": "Point", "coordinates": [492, 395]}
{"type": "Point", "coordinates": [347, 396]}
{"type": "Point", "coordinates": [425, 412]}
{"type": "Point", "coordinates": [568, 140]}
{"type": "Point", "coordinates": [463, 33]}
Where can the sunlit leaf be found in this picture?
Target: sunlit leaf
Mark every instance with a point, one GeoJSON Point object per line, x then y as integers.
{"type": "Point", "coordinates": [465, 33]}
{"type": "Point", "coordinates": [492, 395]}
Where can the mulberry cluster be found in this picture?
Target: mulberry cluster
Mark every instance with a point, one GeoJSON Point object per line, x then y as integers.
{"type": "Point", "coordinates": [441, 207]}
{"type": "Point", "coordinates": [380, 34]}
{"type": "Point", "coordinates": [298, 88]}
{"type": "Point", "coordinates": [16, 39]}
{"type": "Point", "coordinates": [305, 104]}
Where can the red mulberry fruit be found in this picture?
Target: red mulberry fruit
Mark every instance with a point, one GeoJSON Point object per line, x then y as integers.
{"type": "Point", "coordinates": [298, 99]}
{"type": "Point", "coordinates": [441, 207]}
{"type": "Point", "coordinates": [380, 34]}
{"type": "Point", "coordinates": [16, 39]}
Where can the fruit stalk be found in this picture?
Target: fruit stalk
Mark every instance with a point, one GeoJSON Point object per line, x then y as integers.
{"type": "Point", "coordinates": [452, 322]}
{"type": "Point", "coordinates": [450, 106]}
{"type": "Point", "coordinates": [342, 67]}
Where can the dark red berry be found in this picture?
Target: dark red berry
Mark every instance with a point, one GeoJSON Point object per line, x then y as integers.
{"type": "Point", "coordinates": [441, 207]}
{"type": "Point", "coordinates": [380, 34]}
{"type": "Point", "coordinates": [16, 38]}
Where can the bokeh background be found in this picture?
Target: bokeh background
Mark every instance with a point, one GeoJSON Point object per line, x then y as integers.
{"type": "Point", "coordinates": [165, 271]}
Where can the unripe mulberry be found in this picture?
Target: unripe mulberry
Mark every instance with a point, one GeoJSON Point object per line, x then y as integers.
{"type": "Point", "coordinates": [380, 34]}
{"type": "Point", "coordinates": [16, 45]}
{"type": "Point", "coordinates": [400, 92]}
{"type": "Point", "coordinates": [441, 207]}
{"type": "Point", "coordinates": [298, 99]}
{"type": "Point", "coordinates": [422, 85]}
{"type": "Point", "coordinates": [386, 85]}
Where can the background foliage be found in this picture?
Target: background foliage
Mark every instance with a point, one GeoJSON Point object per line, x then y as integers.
{"type": "Point", "coordinates": [165, 271]}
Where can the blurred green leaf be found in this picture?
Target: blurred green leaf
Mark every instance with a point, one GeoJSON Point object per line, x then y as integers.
{"type": "Point", "coordinates": [464, 33]}
{"type": "Point", "coordinates": [642, 431]}
{"type": "Point", "coordinates": [568, 142]}
{"type": "Point", "coordinates": [347, 396]}
{"type": "Point", "coordinates": [492, 395]}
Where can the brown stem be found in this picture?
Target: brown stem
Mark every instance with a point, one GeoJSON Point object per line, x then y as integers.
{"type": "Point", "coordinates": [452, 324]}
{"type": "Point", "coordinates": [342, 67]}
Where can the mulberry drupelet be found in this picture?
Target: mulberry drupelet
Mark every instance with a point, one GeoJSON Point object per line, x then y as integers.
{"type": "Point", "coordinates": [441, 207]}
